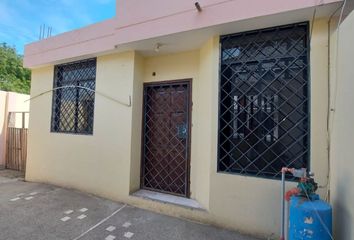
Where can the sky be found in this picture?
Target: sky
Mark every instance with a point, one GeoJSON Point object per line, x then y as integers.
{"type": "Point", "coordinates": [20, 20]}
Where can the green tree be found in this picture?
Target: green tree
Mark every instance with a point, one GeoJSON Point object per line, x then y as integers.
{"type": "Point", "coordinates": [13, 76]}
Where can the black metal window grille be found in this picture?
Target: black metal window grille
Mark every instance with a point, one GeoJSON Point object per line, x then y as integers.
{"type": "Point", "coordinates": [264, 101]}
{"type": "Point", "coordinates": [73, 98]}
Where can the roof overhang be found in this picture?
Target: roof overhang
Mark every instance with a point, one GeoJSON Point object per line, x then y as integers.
{"type": "Point", "coordinates": [182, 31]}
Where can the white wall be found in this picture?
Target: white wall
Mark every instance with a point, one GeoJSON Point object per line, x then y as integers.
{"type": "Point", "coordinates": [342, 132]}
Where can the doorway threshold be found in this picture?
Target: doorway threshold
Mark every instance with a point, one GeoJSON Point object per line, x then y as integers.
{"type": "Point", "coordinates": [168, 198]}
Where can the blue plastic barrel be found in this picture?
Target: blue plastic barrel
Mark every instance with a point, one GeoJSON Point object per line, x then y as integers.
{"type": "Point", "coordinates": [305, 223]}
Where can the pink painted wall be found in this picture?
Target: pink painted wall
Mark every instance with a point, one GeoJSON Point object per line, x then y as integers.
{"type": "Point", "coordinates": [10, 102]}
{"type": "Point", "coordinates": [137, 21]}
{"type": "Point", "coordinates": [133, 11]}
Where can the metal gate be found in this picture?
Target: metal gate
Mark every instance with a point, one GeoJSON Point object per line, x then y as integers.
{"type": "Point", "coordinates": [16, 141]}
{"type": "Point", "coordinates": [166, 137]}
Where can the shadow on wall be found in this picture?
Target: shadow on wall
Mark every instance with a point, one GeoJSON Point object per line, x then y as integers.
{"type": "Point", "coordinates": [342, 218]}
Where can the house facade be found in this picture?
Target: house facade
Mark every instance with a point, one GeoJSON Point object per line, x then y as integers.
{"type": "Point", "coordinates": [192, 110]}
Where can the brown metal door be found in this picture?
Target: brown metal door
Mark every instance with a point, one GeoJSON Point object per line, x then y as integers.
{"type": "Point", "coordinates": [166, 137]}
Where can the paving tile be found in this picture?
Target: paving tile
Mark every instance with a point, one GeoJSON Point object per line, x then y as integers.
{"type": "Point", "coordinates": [69, 212]}
{"type": "Point", "coordinates": [110, 237]}
{"type": "Point", "coordinates": [111, 228]}
{"type": "Point", "coordinates": [127, 224]}
{"type": "Point", "coordinates": [64, 219]}
{"type": "Point", "coordinates": [82, 216]}
{"type": "Point", "coordinates": [128, 234]}
{"type": "Point", "coordinates": [83, 209]}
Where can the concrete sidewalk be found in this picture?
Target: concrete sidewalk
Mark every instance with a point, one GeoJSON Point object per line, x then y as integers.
{"type": "Point", "coordinates": [35, 211]}
{"type": "Point", "coordinates": [7, 175]}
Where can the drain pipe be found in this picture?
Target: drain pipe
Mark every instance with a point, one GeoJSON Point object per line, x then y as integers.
{"type": "Point", "coordinates": [300, 173]}
{"type": "Point", "coordinates": [282, 229]}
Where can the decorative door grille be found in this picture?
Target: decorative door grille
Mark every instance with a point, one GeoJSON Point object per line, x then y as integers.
{"type": "Point", "coordinates": [264, 101]}
{"type": "Point", "coordinates": [166, 138]}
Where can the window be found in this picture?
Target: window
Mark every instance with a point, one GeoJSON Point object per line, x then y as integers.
{"type": "Point", "coordinates": [74, 97]}
{"type": "Point", "coordinates": [264, 101]}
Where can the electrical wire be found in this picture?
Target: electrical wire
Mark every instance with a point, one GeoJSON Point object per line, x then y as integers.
{"type": "Point", "coordinates": [330, 109]}
{"type": "Point", "coordinates": [312, 23]}
{"type": "Point", "coordinates": [326, 185]}
{"type": "Point", "coordinates": [85, 88]}
{"type": "Point", "coordinates": [313, 18]}
{"type": "Point", "coordinates": [337, 51]}
{"type": "Point", "coordinates": [329, 127]}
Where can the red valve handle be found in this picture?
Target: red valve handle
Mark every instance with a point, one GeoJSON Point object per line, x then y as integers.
{"type": "Point", "coordinates": [290, 193]}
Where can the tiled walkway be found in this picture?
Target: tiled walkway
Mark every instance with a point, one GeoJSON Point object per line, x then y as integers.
{"type": "Point", "coordinates": [34, 211]}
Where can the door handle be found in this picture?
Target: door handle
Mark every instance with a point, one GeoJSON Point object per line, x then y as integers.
{"type": "Point", "coordinates": [182, 131]}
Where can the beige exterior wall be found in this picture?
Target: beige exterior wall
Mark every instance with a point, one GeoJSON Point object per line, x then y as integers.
{"type": "Point", "coordinates": [3, 111]}
{"type": "Point", "coordinates": [11, 102]}
{"type": "Point", "coordinates": [17, 102]}
{"type": "Point", "coordinates": [253, 204]}
{"type": "Point", "coordinates": [182, 66]}
{"type": "Point", "coordinates": [98, 163]}
{"type": "Point", "coordinates": [137, 109]}
{"type": "Point", "coordinates": [319, 107]}
{"type": "Point", "coordinates": [342, 131]}
{"type": "Point", "coordinates": [108, 163]}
